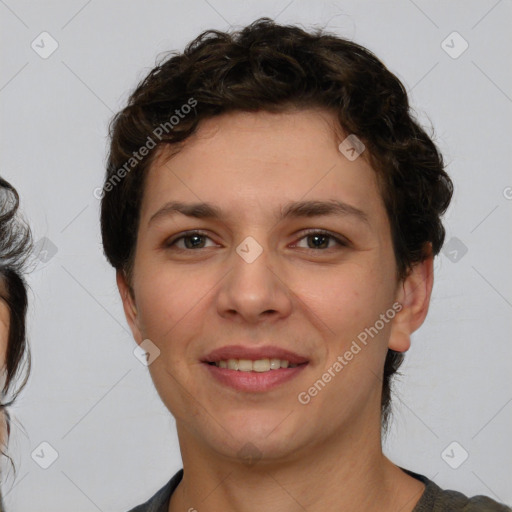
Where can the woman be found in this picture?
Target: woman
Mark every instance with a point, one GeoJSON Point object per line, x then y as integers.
{"type": "Point", "coordinates": [15, 243]}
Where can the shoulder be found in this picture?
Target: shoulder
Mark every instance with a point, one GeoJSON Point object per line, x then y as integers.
{"type": "Point", "coordinates": [159, 502]}
{"type": "Point", "coordinates": [435, 499]}
{"type": "Point", "coordinates": [454, 500]}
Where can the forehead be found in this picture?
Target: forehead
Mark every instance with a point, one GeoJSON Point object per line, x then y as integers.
{"type": "Point", "coordinates": [246, 160]}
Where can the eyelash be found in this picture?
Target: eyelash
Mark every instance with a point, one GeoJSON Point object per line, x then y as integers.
{"type": "Point", "coordinates": [340, 241]}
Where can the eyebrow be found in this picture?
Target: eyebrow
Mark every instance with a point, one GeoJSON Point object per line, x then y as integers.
{"type": "Point", "coordinates": [293, 209]}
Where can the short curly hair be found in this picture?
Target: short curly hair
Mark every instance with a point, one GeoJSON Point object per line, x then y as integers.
{"type": "Point", "coordinates": [270, 67]}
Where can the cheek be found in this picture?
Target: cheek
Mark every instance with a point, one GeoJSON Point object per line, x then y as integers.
{"type": "Point", "coordinates": [166, 298]}
{"type": "Point", "coordinates": [4, 335]}
{"type": "Point", "coordinates": [347, 299]}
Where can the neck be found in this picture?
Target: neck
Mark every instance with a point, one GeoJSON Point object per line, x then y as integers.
{"type": "Point", "coordinates": [345, 472]}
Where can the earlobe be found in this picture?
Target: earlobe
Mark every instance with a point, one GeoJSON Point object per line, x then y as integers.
{"type": "Point", "coordinates": [130, 309]}
{"type": "Point", "coordinates": [414, 296]}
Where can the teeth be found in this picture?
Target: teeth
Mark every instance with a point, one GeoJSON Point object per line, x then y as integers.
{"type": "Point", "coordinates": [232, 364]}
{"type": "Point", "coordinates": [275, 364]}
{"type": "Point", "coordinates": [260, 365]}
{"type": "Point", "coordinates": [244, 365]}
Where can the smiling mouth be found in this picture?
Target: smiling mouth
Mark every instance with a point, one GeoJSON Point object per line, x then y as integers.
{"type": "Point", "coordinates": [258, 365]}
{"type": "Point", "coordinates": [254, 376]}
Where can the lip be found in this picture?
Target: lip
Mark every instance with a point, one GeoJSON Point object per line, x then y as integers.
{"type": "Point", "coordinates": [253, 382]}
{"type": "Point", "coordinates": [253, 353]}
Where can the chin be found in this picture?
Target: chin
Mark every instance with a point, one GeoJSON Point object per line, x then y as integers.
{"type": "Point", "coordinates": [273, 435]}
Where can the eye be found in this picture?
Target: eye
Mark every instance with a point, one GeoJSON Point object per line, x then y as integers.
{"type": "Point", "coordinates": [321, 240]}
{"type": "Point", "coordinates": [190, 239]}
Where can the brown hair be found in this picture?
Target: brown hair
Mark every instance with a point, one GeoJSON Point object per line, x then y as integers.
{"type": "Point", "coordinates": [271, 67]}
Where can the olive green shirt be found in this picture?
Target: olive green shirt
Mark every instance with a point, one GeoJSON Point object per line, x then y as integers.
{"type": "Point", "coordinates": [433, 499]}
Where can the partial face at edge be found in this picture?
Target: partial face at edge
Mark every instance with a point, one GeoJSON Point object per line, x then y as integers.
{"type": "Point", "coordinates": [4, 339]}
{"type": "Point", "coordinates": [306, 292]}
{"type": "Point", "coordinates": [5, 317]}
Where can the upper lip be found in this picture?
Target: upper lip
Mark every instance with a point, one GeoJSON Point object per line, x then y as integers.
{"type": "Point", "coordinates": [253, 353]}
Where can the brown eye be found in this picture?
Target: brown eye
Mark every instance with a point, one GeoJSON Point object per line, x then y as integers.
{"type": "Point", "coordinates": [191, 240]}
{"type": "Point", "coordinates": [321, 239]}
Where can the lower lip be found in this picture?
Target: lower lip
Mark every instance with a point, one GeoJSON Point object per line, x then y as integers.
{"type": "Point", "coordinates": [255, 382]}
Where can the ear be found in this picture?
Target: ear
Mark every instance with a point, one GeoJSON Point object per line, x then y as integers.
{"type": "Point", "coordinates": [130, 309]}
{"type": "Point", "coordinates": [413, 294]}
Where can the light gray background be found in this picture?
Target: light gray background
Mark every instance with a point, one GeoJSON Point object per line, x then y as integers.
{"type": "Point", "coordinates": [88, 396]}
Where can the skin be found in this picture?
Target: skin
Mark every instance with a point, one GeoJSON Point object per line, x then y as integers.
{"type": "Point", "coordinates": [4, 333]}
{"type": "Point", "coordinates": [4, 330]}
{"type": "Point", "coordinates": [325, 455]}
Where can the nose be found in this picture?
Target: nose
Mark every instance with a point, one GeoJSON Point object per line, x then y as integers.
{"type": "Point", "coordinates": [254, 290]}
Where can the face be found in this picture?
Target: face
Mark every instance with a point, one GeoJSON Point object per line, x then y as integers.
{"type": "Point", "coordinates": [309, 282]}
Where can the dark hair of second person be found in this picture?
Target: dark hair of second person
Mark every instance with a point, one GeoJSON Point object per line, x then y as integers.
{"type": "Point", "coordinates": [15, 246]}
